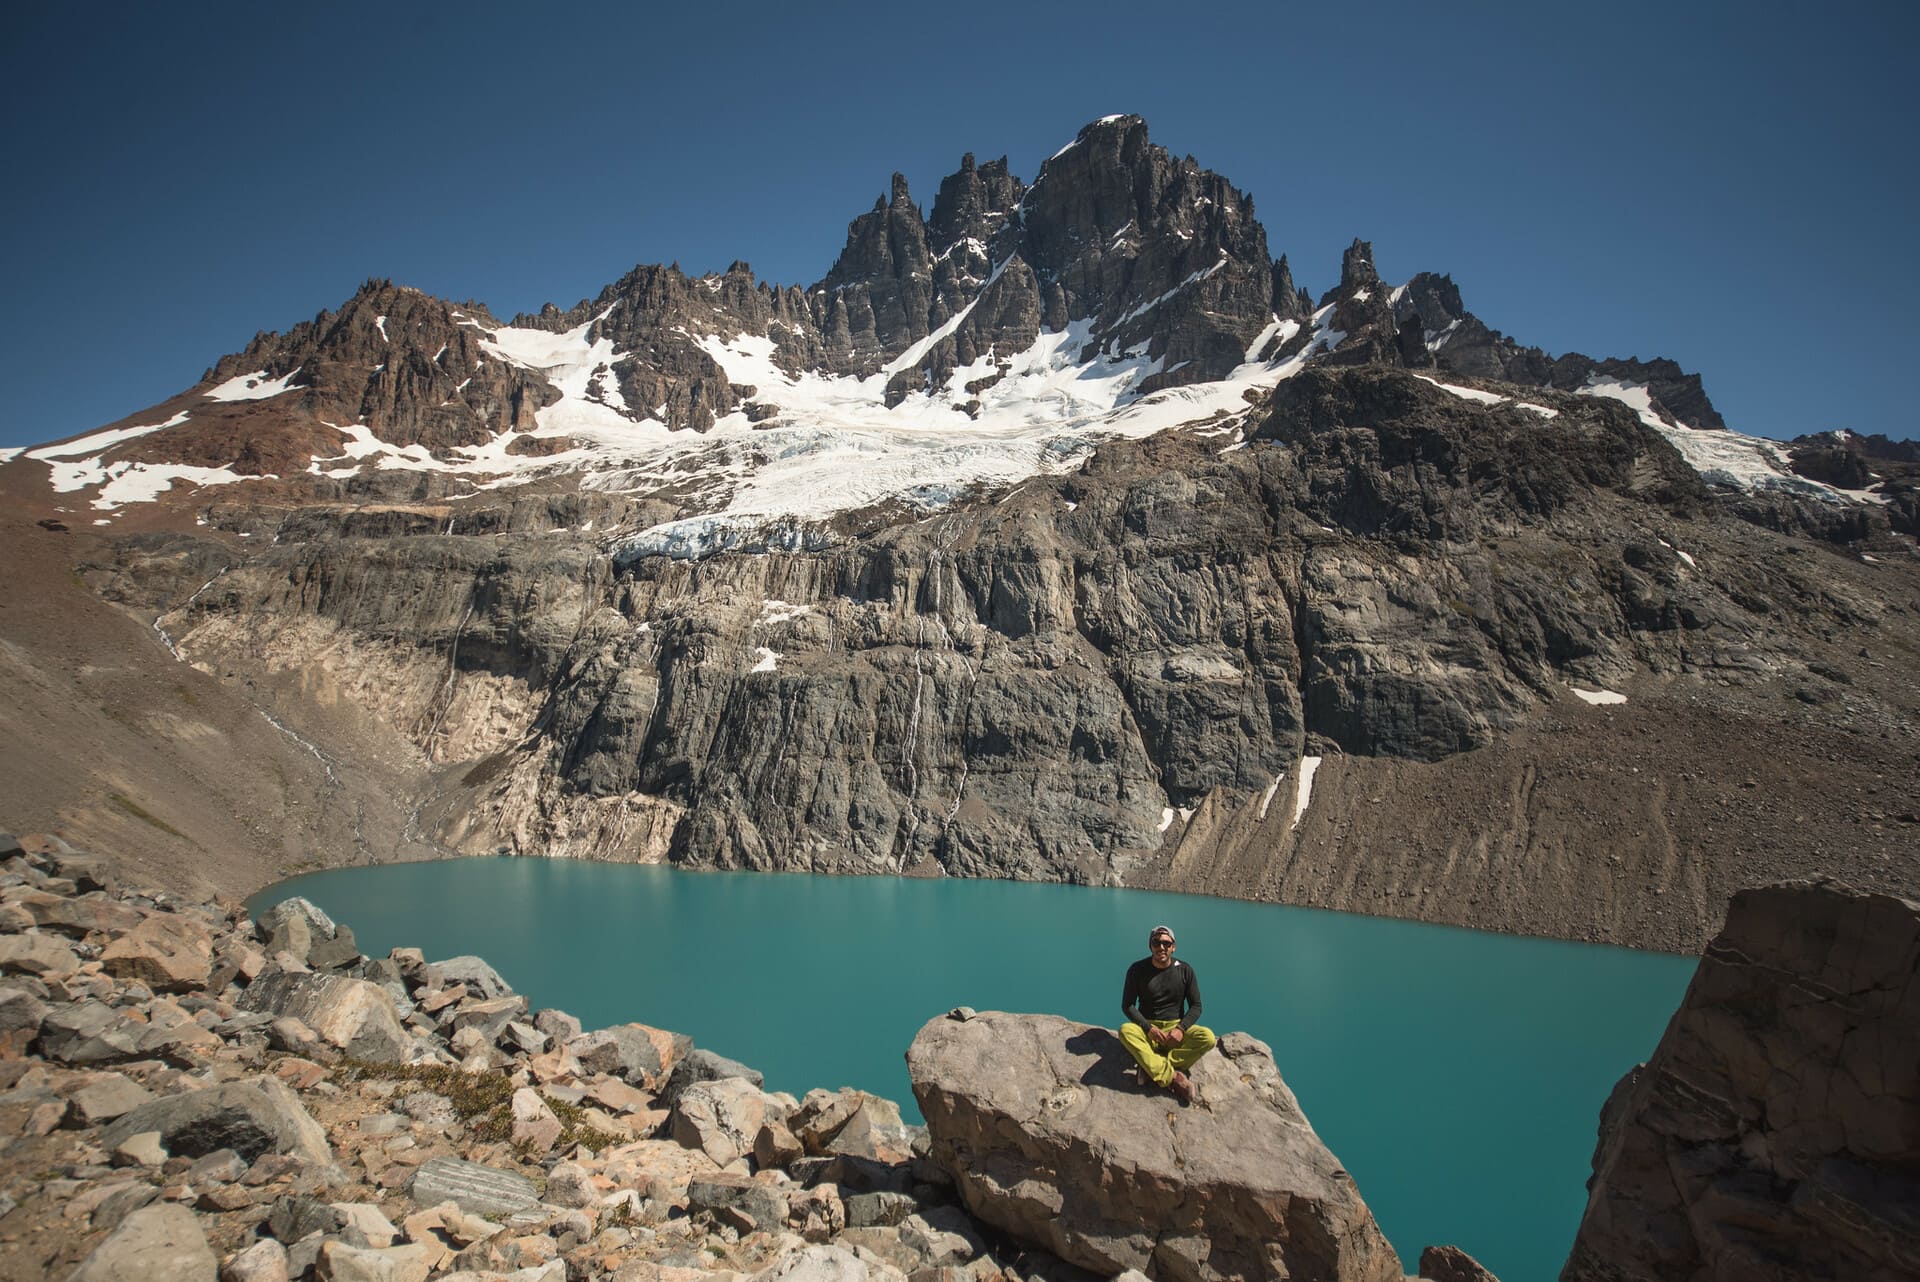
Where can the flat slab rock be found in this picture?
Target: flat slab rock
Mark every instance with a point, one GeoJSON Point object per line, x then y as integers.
{"type": "Point", "coordinates": [479, 1190]}
{"type": "Point", "coordinates": [1049, 1138]}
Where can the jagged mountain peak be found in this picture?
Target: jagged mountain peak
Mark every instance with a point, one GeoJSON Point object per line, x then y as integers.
{"type": "Point", "coordinates": [1124, 290]}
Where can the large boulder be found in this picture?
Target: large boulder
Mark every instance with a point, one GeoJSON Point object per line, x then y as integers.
{"type": "Point", "coordinates": [162, 1243]}
{"type": "Point", "coordinates": [476, 974]}
{"type": "Point", "coordinates": [1048, 1138]}
{"type": "Point", "coordinates": [636, 1053]}
{"type": "Point", "coordinates": [167, 952]}
{"type": "Point", "coordinates": [250, 1117]}
{"type": "Point", "coordinates": [1774, 1133]}
{"type": "Point", "coordinates": [356, 1015]}
{"type": "Point", "coordinates": [722, 1118]}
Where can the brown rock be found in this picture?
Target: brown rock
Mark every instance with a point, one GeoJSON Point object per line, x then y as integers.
{"type": "Point", "coordinates": [1772, 1134]}
{"type": "Point", "coordinates": [264, 1261]}
{"type": "Point", "coordinates": [103, 1097]}
{"type": "Point", "coordinates": [342, 1263]}
{"type": "Point", "coordinates": [1047, 1138]}
{"type": "Point", "coordinates": [36, 954]}
{"type": "Point", "coordinates": [535, 1128]}
{"type": "Point", "coordinates": [161, 1243]}
{"type": "Point", "coordinates": [775, 1146]}
{"type": "Point", "coordinates": [168, 952]}
{"type": "Point", "coordinates": [1451, 1264]}
{"type": "Point", "coordinates": [78, 917]}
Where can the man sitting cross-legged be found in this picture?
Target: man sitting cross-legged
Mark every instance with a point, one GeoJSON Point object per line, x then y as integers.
{"type": "Point", "coordinates": [1161, 1001]}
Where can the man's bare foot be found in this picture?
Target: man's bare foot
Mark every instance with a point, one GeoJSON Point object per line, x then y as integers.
{"type": "Point", "coordinates": [1182, 1088]}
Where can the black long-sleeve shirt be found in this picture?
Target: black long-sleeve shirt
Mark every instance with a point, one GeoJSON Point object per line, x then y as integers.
{"type": "Point", "coordinates": [1152, 993]}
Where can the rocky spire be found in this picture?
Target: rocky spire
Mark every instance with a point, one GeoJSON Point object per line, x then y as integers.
{"type": "Point", "coordinates": [1356, 272]}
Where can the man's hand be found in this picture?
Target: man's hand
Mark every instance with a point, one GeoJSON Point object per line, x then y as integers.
{"type": "Point", "coordinates": [1176, 1035]}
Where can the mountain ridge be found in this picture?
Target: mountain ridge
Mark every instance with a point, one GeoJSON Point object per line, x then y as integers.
{"type": "Point", "coordinates": [1066, 557]}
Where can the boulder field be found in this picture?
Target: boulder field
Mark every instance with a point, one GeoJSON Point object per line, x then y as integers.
{"type": "Point", "coordinates": [190, 1094]}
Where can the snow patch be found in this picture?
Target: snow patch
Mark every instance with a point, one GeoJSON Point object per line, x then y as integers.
{"type": "Point", "coordinates": [380, 323]}
{"type": "Point", "coordinates": [256, 386]}
{"type": "Point", "coordinates": [776, 611]}
{"type": "Point", "coordinates": [1598, 697]}
{"type": "Point", "coordinates": [1723, 458]}
{"type": "Point", "coordinates": [769, 659]}
{"type": "Point", "coordinates": [144, 482]}
{"type": "Point", "coordinates": [1266, 798]}
{"type": "Point", "coordinates": [1166, 818]}
{"type": "Point", "coordinates": [96, 444]}
{"type": "Point", "coordinates": [1309, 766]}
{"type": "Point", "coordinates": [1467, 393]}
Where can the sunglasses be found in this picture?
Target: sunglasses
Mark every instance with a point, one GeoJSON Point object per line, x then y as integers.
{"type": "Point", "coordinates": [1160, 943]}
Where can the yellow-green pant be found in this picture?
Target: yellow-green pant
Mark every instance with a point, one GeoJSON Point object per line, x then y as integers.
{"type": "Point", "coordinates": [1160, 1064]}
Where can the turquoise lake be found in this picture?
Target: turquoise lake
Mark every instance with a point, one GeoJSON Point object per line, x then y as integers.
{"type": "Point", "coordinates": [1458, 1075]}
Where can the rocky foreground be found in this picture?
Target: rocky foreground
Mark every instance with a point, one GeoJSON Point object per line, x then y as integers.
{"type": "Point", "coordinates": [187, 1093]}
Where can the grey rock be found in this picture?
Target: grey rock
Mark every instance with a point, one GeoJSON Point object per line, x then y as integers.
{"type": "Point", "coordinates": [160, 1243]}
{"type": "Point", "coordinates": [114, 1209]}
{"type": "Point", "coordinates": [336, 953]}
{"type": "Point", "coordinates": [250, 1117]}
{"type": "Point", "coordinates": [427, 1107]}
{"type": "Point", "coordinates": [263, 1261]}
{"type": "Point", "coordinates": [699, 1064]}
{"type": "Point", "coordinates": [354, 1015]}
{"type": "Point", "coordinates": [943, 1236]}
{"type": "Point", "coordinates": [90, 1032]}
{"type": "Point", "coordinates": [1768, 1137]}
{"type": "Point", "coordinates": [1048, 1139]}
{"type": "Point", "coordinates": [311, 914]}
{"type": "Point", "coordinates": [21, 1014]}
{"type": "Point", "coordinates": [222, 1166]}
{"type": "Point", "coordinates": [479, 1189]}
{"type": "Point", "coordinates": [825, 1262]}
{"type": "Point", "coordinates": [721, 1118]}
{"type": "Point", "coordinates": [523, 1038]}
{"type": "Point", "coordinates": [866, 1210]}
{"type": "Point", "coordinates": [295, 1216]}
{"type": "Point", "coordinates": [36, 954]}
{"type": "Point", "coordinates": [475, 974]}
{"type": "Point", "coordinates": [636, 1053]}
{"type": "Point", "coordinates": [557, 1024]}
{"type": "Point", "coordinates": [106, 1097]}
{"type": "Point", "coordinates": [763, 1206]}
{"type": "Point", "coordinates": [487, 1016]}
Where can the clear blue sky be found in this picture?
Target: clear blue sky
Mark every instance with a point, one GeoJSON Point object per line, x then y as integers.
{"type": "Point", "coordinates": [1731, 185]}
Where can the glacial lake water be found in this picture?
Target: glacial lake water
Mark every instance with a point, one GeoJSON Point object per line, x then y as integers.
{"type": "Point", "coordinates": [1458, 1075]}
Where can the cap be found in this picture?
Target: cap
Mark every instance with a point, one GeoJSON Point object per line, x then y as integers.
{"type": "Point", "coordinates": [1158, 931]}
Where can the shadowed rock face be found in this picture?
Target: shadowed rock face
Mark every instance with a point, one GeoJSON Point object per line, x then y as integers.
{"type": "Point", "coordinates": [1050, 1140]}
{"type": "Point", "coordinates": [1775, 1133]}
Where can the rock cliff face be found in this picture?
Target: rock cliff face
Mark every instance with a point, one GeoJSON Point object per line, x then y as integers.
{"type": "Point", "coordinates": [1047, 1138]}
{"type": "Point", "coordinates": [1776, 1130]}
{"type": "Point", "coordinates": [1054, 533]}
